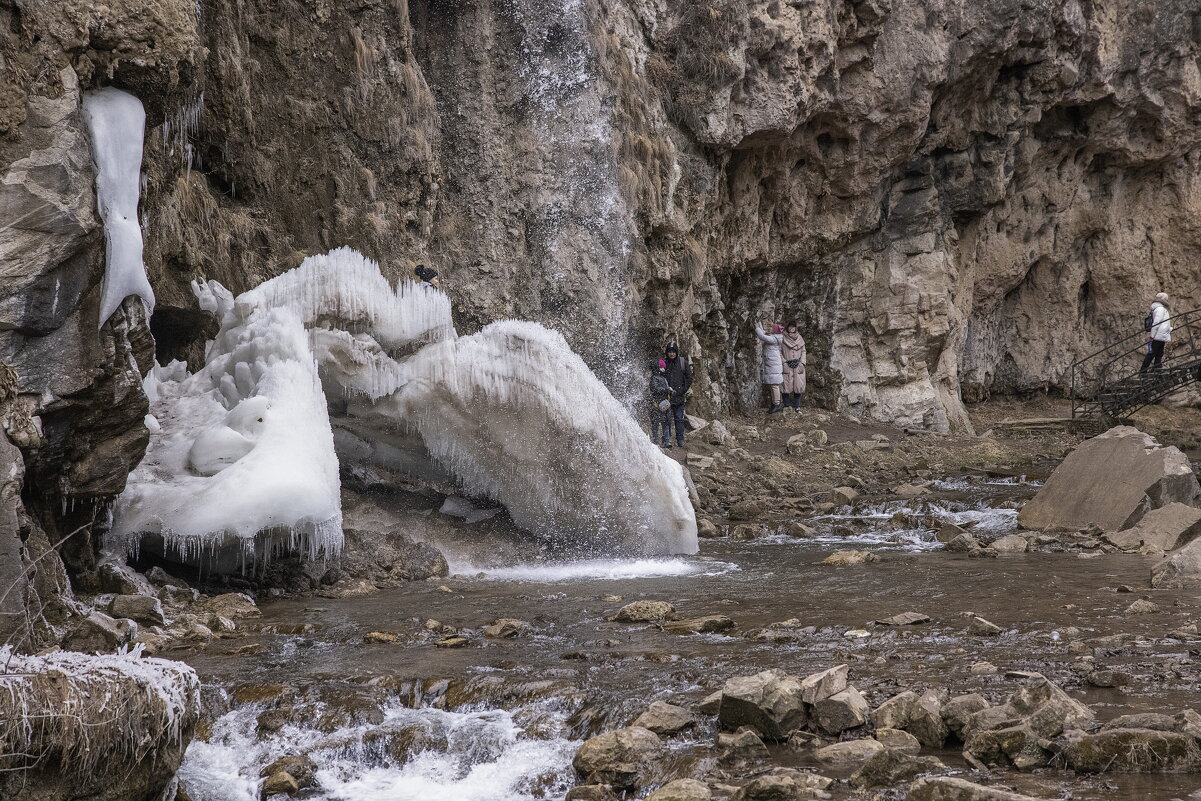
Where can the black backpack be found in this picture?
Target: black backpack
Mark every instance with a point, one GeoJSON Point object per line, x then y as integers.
{"type": "Point", "coordinates": [660, 389]}
{"type": "Point", "coordinates": [1149, 322]}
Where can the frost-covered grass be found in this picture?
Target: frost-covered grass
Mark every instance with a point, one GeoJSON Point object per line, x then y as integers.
{"type": "Point", "coordinates": [92, 715]}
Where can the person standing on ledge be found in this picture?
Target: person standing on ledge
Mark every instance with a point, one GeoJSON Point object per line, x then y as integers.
{"type": "Point", "coordinates": [658, 396]}
{"type": "Point", "coordinates": [679, 378]}
{"type": "Point", "coordinates": [1159, 326]}
{"type": "Point", "coordinates": [771, 370]}
{"type": "Point", "coordinates": [792, 348]}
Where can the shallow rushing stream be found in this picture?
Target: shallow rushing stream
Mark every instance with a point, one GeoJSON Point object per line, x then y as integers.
{"type": "Point", "coordinates": [500, 719]}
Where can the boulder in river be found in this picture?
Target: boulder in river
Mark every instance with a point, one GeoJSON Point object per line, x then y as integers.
{"type": "Point", "coordinates": [1180, 570]}
{"type": "Point", "coordinates": [904, 619]}
{"type": "Point", "coordinates": [847, 558]}
{"type": "Point", "coordinates": [682, 790]}
{"type": "Point", "coordinates": [849, 753]}
{"type": "Point", "coordinates": [957, 711]}
{"type": "Point", "coordinates": [1132, 751]}
{"type": "Point", "coordinates": [1111, 481]}
{"type": "Point", "coordinates": [818, 686]}
{"type": "Point", "coordinates": [979, 627]}
{"type": "Point", "coordinates": [844, 710]}
{"type": "Point", "coordinates": [663, 718]}
{"type": "Point", "coordinates": [782, 783]}
{"type": "Point", "coordinates": [950, 788]}
{"type": "Point", "coordinates": [1018, 730]}
{"type": "Point", "coordinates": [623, 758]}
{"type": "Point", "coordinates": [233, 605]}
{"type": "Point", "coordinates": [700, 625]}
{"type": "Point", "coordinates": [920, 715]}
{"type": "Point", "coordinates": [888, 768]}
{"type": "Point", "coordinates": [644, 612]}
{"type": "Point", "coordinates": [900, 740]}
{"type": "Point", "coordinates": [1164, 529]}
{"type": "Point", "coordinates": [506, 628]}
{"type": "Point", "coordinates": [1010, 543]}
{"type": "Point", "coordinates": [769, 702]}
{"type": "Point", "coordinates": [144, 609]}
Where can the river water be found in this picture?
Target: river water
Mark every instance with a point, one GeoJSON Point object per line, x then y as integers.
{"type": "Point", "coordinates": [501, 719]}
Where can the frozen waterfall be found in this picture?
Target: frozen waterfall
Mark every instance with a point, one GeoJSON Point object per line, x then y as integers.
{"type": "Point", "coordinates": [245, 452]}
{"type": "Point", "coordinates": [116, 122]}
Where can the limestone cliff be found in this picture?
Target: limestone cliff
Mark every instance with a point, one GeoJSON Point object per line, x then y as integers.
{"type": "Point", "coordinates": [953, 198]}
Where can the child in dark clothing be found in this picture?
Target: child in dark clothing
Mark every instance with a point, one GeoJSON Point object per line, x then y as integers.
{"type": "Point", "coordinates": [658, 394]}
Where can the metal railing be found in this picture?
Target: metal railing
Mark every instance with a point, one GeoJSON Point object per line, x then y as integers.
{"type": "Point", "coordinates": [1110, 384]}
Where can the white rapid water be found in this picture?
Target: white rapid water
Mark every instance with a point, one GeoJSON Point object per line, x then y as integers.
{"type": "Point", "coordinates": [245, 446]}
{"type": "Point", "coordinates": [494, 755]}
{"type": "Point", "coordinates": [116, 123]}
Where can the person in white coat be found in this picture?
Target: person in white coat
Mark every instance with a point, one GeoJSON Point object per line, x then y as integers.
{"type": "Point", "coordinates": [1160, 331]}
{"type": "Point", "coordinates": [771, 369]}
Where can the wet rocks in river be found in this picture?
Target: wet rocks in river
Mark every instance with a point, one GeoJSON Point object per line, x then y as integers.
{"type": "Point", "coordinates": [905, 619]}
{"type": "Point", "coordinates": [1018, 731]}
{"type": "Point", "coordinates": [1142, 607]}
{"type": "Point", "coordinates": [1107, 678]}
{"type": "Point", "coordinates": [962, 543]}
{"type": "Point", "coordinates": [746, 510]}
{"type": "Point", "coordinates": [899, 740]}
{"type": "Point", "coordinates": [782, 783]}
{"type": "Point", "coordinates": [682, 790]}
{"type": "Point", "coordinates": [741, 747]}
{"type": "Point", "coordinates": [950, 788]}
{"type": "Point", "coordinates": [920, 715]}
{"type": "Point", "coordinates": [624, 758]}
{"type": "Point", "coordinates": [1162, 529]}
{"type": "Point", "coordinates": [909, 491]}
{"type": "Point", "coordinates": [280, 783]}
{"type": "Point", "coordinates": [849, 753]}
{"type": "Point", "coordinates": [843, 496]}
{"type": "Point", "coordinates": [770, 702]}
{"type": "Point", "coordinates": [889, 768]}
{"type": "Point", "coordinates": [707, 529]}
{"type": "Point", "coordinates": [958, 711]}
{"type": "Point", "coordinates": [592, 792]}
{"type": "Point", "coordinates": [799, 530]}
{"type": "Point", "coordinates": [96, 633]}
{"type": "Point", "coordinates": [819, 686]}
{"type": "Point", "coordinates": [232, 605]}
{"type": "Point", "coordinates": [983, 669]}
{"type": "Point", "coordinates": [841, 711]}
{"type": "Point", "coordinates": [665, 719]}
{"type": "Point", "coordinates": [1010, 543]}
{"type": "Point", "coordinates": [1132, 751]}
{"type": "Point", "coordinates": [300, 768]}
{"type": "Point", "coordinates": [848, 558]}
{"type": "Point", "coordinates": [1111, 481]}
{"type": "Point", "coordinates": [1180, 570]}
{"type": "Point", "coordinates": [506, 628]}
{"type": "Point", "coordinates": [645, 612]}
{"type": "Point", "coordinates": [700, 625]}
{"type": "Point", "coordinates": [979, 627]}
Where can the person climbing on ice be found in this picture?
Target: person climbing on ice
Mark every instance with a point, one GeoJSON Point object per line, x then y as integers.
{"type": "Point", "coordinates": [771, 369]}
{"type": "Point", "coordinates": [792, 348]}
{"type": "Point", "coordinates": [1159, 325]}
{"type": "Point", "coordinates": [427, 276]}
{"type": "Point", "coordinates": [659, 399]}
{"type": "Point", "coordinates": [679, 378]}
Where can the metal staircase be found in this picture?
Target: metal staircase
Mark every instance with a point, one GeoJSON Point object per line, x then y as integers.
{"type": "Point", "coordinates": [1107, 386]}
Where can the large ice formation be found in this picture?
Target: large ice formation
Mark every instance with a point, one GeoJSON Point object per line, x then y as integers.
{"type": "Point", "coordinates": [116, 121]}
{"type": "Point", "coordinates": [246, 445]}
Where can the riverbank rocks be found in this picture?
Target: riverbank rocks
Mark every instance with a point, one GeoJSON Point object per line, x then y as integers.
{"type": "Point", "coordinates": [979, 627]}
{"type": "Point", "coordinates": [664, 719]}
{"type": "Point", "coordinates": [143, 609]}
{"type": "Point", "coordinates": [904, 619]}
{"type": "Point", "coordinates": [849, 753]}
{"type": "Point", "coordinates": [97, 633]}
{"type": "Point", "coordinates": [644, 612]}
{"type": "Point", "coordinates": [920, 715]}
{"type": "Point", "coordinates": [843, 496]}
{"type": "Point", "coordinates": [783, 784]}
{"type": "Point", "coordinates": [769, 702]}
{"type": "Point", "coordinates": [1018, 732]}
{"type": "Point", "coordinates": [849, 558]}
{"type": "Point", "coordinates": [233, 605]}
{"type": "Point", "coordinates": [1181, 570]}
{"type": "Point", "coordinates": [949, 788]}
{"type": "Point", "coordinates": [1111, 481]}
{"type": "Point", "coordinates": [962, 543]}
{"type": "Point", "coordinates": [1132, 751]}
{"type": "Point", "coordinates": [958, 711]}
{"type": "Point", "coordinates": [819, 686]}
{"type": "Point", "coordinates": [1010, 543]}
{"type": "Point", "coordinates": [899, 740]}
{"type": "Point", "coordinates": [889, 768]}
{"type": "Point", "coordinates": [682, 790]}
{"type": "Point", "coordinates": [740, 748]}
{"type": "Point", "coordinates": [623, 758]}
{"type": "Point", "coordinates": [1143, 607]}
{"type": "Point", "coordinates": [841, 711]}
{"type": "Point", "coordinates": [1164, 529]}
{"type": "Point", "coordinates": [708, 624]}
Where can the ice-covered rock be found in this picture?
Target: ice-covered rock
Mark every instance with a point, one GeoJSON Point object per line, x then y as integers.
{"type": "Point", "coordinates": [244, 463]}
{"type": "Point", "coordinates": [116, 122]}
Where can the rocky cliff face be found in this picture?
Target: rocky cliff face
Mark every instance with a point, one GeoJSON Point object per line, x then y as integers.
{"type": "Point", "coordinates": [952, 198]}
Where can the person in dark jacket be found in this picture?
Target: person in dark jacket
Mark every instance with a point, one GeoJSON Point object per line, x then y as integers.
{"type": "Point", "coordinates": [658, 399]}
{"type": "Point", "coordinates": [427, 275]}
{"type": "Point", "coordinates": [679, 378]}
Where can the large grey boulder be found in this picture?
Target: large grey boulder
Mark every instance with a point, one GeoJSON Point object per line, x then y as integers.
{"type": "Point", "coordinates": [920, 715]}
{"type": "Point", "coordinates": [1163, 529]}
{"type": "Point", "coordinates": [1111, 481]}
{"type": "Point", "coordinates": [623, 758]}
{"type": "Point", "coordinates": [1132, 751]}
{"type": "Point", "coordinates": [770, 702]}
{"type": "Point", "coordinates": [1180, 570]}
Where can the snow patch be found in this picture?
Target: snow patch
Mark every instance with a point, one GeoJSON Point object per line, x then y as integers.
{"type": "Point", "coordinates": [116, 122]}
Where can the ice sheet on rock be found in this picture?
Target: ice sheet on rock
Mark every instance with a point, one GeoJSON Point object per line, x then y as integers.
{"type": "Point", "coordinates": [245, 447]}
{"type": "Point", "coordinates": [519, 418]}
{"type": "Point", "coordinates": [116, 122]}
